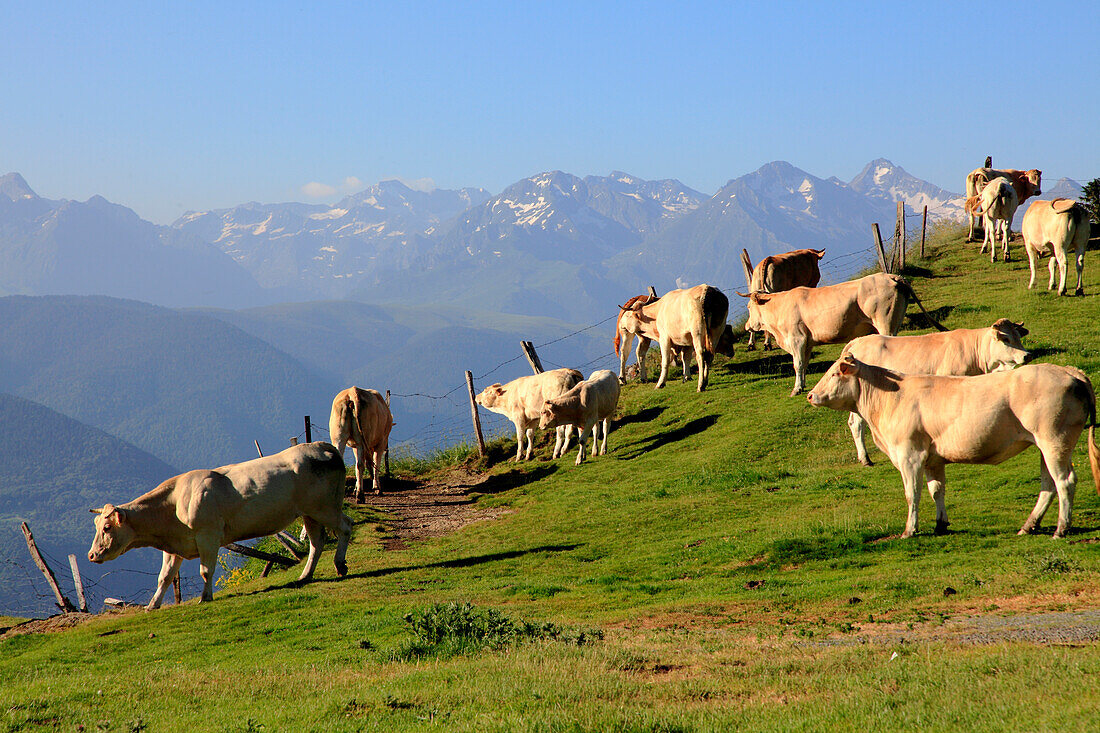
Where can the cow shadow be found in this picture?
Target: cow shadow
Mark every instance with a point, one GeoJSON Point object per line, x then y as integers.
{"type": "Point", "coordinates": [499, 482]}
{"type": "Point", "coordinates": [644, 415]}
{"type": "Point", "coordinates": [694, 427]}
{"type": "Point", "coordinates": [915, 271]}
{"type": "Point", "coordinates": [917, 321]}
{"type": "Point", "coordinates": [1042, 351]}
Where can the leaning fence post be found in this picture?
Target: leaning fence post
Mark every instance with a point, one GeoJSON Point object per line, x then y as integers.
{"type": "Point", "coordinates": [78, 584]}
{"type": "Point", "coordinates": [473, 411]}
{"type": "Point", "coordinates": [532, 357]}
{"type": "Point", "coordinates": [653, 291]}
{"type": "Point", "coordinates": [62, 602]}
{"type": "Point", "coordinates": [257, 444]}
{"type": "Point", "coordinates": [923, 229]}
{"type": "Point", "coordinates": [881, 252]}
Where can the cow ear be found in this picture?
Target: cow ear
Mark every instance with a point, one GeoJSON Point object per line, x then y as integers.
{"type": "Point", "coordinates": [847, 366]}
{"type": "Point", "coordinates": [1020, 327]}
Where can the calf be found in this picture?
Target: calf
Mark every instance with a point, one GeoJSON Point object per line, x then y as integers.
{"type": "Point", "coordinates": [521, 402]}
{"type": "Point", "coordinates": [802, 318]}
{"type": "Point", "coordinates": [997, 205]}
{"type": "Point", "coordinates": [196, 513]}
{"type": "Point", "coordinates": [362, 419]}
{"type": "Point", "coordinates": [962, 352]}
{"type": "Point", "coordinates": [775, 273]}
{"type": "Point", "coordinates": [925, 422]}
{"type": "Point", "coordinates": [585, 407]}
{"type": "Point", "coordinates": [1056, 227]}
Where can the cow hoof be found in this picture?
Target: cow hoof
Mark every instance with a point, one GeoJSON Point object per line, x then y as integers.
{"type": "Point", "coordinates": [866, 461]}
{"type": "Point", "coordinates": [1079, 291]}
{"type": "Point", "coordinates": [342, 569]}
{"type": "Point", "coordinates": [907, 534]}
{"type": "Point", "coordinates": [1028, 528]}
{"type": "Point", "coordinates": [378, 492]}
{"type": "Point", "coordinates": [941, 527]}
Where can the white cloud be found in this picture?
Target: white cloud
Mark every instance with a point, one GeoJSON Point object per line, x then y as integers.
{"type": "Point", "coordinates": [351, 184]}
{"type": "Point", "coordinates": [427, 185]}
{"type": "Point", "coordinates": [316, 190]}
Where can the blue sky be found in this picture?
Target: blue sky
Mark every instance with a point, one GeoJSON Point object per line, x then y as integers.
{"type": "Point", "coordinates": [204, 105]}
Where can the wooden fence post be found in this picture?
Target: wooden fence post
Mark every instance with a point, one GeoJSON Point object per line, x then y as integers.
{"type": "Point", "coordinates": [473, 411]}
{"type": "Point", "coordinates": [78, 584]}
{"type": "Point", "coordinates": [899, 238]}
{"type": "Point", "coordinates": [62, 602]}
{"type": "Point", "coordinates": [653, 291]}
{"type": "Point", "coordinates": [257, 444]}
{"type": "Point", "coordinates": [532, 357]}
{"type": "Point", "coordinates": [294, 441]}
{"type": "Point", "coordinates": [881, 252]}
{"type": "Point", "coordinates": [387, 442]}
{"type": "Point", "coordinates": [309, 430]}
{"type": "Point", "coordinates": [923, 229]}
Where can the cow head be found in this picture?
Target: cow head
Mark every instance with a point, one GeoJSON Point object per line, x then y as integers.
{"type": "Point", "coordinates": [839, 388]}
{"type": "Point", "coordinates": [548, 416]}
{"type": "Point", "coordinates": [1035, 178]}
{"type": "Point", "coordinates": [755, 321]}
{"type": "Point", "coordinates": [1005, 347]}
{"type": "Point", "coordinates": [113, 534]}
{"type": "Point", "coordinates": [491, 395]}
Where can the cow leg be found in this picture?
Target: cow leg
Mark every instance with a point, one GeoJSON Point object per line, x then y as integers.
{"type": "Point", "coordinates": [987, 233]}
{"type": "Point", "coordinates": [697, 345]}
{"type": "Point", "coordinates": [800, 353]}
{"type": "Point", "coordinates": [1062, 266]}
{"type": "Point", "coordinates": [603, 445]}
{"type": "Point", "coordinates": [1080, 262]}
{"type": "Point", "coordinates": [767, 341]}
{"type": "Point", "coordinates": [519, 442]}
{"type": "Point", "coordinates": [316, 532]}
{"type": "Point", "coordinates": [1046, 496]}
{"type": "Point", "coordinates": [752, 341]}
{"type": "Point", "coordinates": [666, 356]}
{"type": "Point", "coordinates": [170, 567]}
{"type": "Point", "coordinates": [1007, 234]}
{"type": "Point", "coordinates": [1051, 264]}
{"type": "Point", "coordinates": [582, 440]}
{"type": "Point", "coordinates": [358, 453]}
{"type": "Point", "coordinates": [376, 471]}
{"type": "Point", "coordinates": [937, 480]}
{"type": "Point", "coordinates": [208, 559]}
{"type": "Point", "coordinates": [643, 349]}
{"type": "Point", "coordinates": [911, 470]}
{"type": "Point", "coordinates": [1031, 256]}
{"type": "Point", "coordinates": [1060, 465]}
{"type": "Point", "coordinates": [858, 426]}
{"type": "Point", "coordinates": [340, 525]}
{"type": "Point", "coordinates": [530, 432]}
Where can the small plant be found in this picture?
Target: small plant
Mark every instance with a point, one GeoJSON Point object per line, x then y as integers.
{"type": "Point", "coordinates": [1054, 563]}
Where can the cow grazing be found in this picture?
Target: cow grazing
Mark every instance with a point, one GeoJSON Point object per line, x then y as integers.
{"type": "Point", "coordinates": [962, 352]}
{"type": "Point", "coordinates": [776, 273]}
{"type": "Point", "coordinates": [925, 422]}
{"type": "Point", "coordinates": [692, 317]}
{"type": "Point", "coordinates": [196, 513]}
{"type": "Point", "coordinates": [1026, 183]}
{"type": "Point", "coordinates": [997, 205]}
{"type": "Point", "coordinates": [585, 407]}
{"type": "Point", "coordinates": [802, 318]}
{"type": "Point", "coordinates": [521, 402]}
{"type": "Point", "coordinates": [362, 419]}
{"type": "Point", "coordinates": [1056, 227]}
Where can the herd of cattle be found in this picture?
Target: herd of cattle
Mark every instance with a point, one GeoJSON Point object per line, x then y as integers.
{"type": "Point", "coordinates": [929, 400]}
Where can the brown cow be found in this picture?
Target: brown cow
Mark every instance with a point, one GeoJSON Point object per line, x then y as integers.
{"type": "Point", "coordinates": [1027, 184]}
{"type": "Point", "coordinates": [776, 273]}
{"type": "Point", "coordinates": [925, 422]}
{"type": "Point", "coordinates": [1056, 226]}
{"type": "Point", "coordinates": [362, 419]}
{"type": "Point", "coordinates": [802, 318]}
{"type": "Point", "coordinates": [692, 317]}
{"type": "Point", "coordinates": [962, 352]}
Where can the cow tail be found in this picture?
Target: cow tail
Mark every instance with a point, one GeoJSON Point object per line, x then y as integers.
{"type": "Point", "coordinates": [910, 293]}
{"type": "Point", "coordinates": [1088, 396]}
{"type": "Point", "coordinates": [715, 309]}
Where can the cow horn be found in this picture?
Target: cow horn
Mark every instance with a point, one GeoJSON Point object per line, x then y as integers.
{"type": "Point", "coordinates": [743, 295]}
{"type": "Point", "coordinates": [96, 511]}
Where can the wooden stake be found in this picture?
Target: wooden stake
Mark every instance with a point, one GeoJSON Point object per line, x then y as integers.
{"type": "Point", "coordinates": [309, 430]}
{"type": "Point", "coordinates": [62, 602]}
{"type": "Point", "coordinates": [532, 357]}
{"type": "Point", "coordinates": [923, 229]}
{"type": "Point", "coordinates": [260, 554]}
{"type": "Point", "coordinates": [652, 292]}
{"type": "Point", "coordinates": [288, 542]}
{"type": "Point", "coordinates": [901, 236]}
{"type": "Point", "coordinates": [78, 584]}
{"type": "Point", "coordinates": [473, 411]}
{"type": "Point", "coordinates": [387, 454]}
{"type": "Point", "coordinates": [257, 444]}
{"type": "Point", "coordinates": [881, 252]}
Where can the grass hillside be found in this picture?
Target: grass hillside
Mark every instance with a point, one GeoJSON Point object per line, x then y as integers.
{"type": "Point", "coordinates": [727, 566]}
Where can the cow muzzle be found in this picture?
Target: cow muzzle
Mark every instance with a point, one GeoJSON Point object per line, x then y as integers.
{"type": "Point", "coordinates": [1028, 356]}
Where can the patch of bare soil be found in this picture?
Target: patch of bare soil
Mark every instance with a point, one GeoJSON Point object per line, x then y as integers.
{"type": "Point", "coordinates": [47, 625]}
{"type": "Point", "coordinates": [432, 506]}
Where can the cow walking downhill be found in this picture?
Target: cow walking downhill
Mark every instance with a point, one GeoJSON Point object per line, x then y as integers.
{"type": "Point", "coordinates": [196, 513]}
{"type": "Point", "coordinates": [588, 406]}
{"type": "Point", "coordinates": [362, 419]}
{"type": "Point", "coordinates": [924, 423]}
{"type": "Point", "coordinates": [521, 402]}
{"type": "Point", "coordinates": [802, 318]}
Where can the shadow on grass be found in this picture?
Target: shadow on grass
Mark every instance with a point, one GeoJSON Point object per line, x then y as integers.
{"type": "Point", "coordinates": [830, 546]}
{"type": "Point", "coordinates": [694, 427]}
{"type": "Point", "coordinates": [917, 320]}
{"type": "Point", "coordinates": [499, 482]}
{"type": "Point", "coordinates": [643, 415]}
{"type": "Point", "coordinates": [1042, 351]}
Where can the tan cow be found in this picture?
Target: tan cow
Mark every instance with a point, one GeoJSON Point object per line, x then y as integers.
{"type": "Point", "coordinates": [1056, 227]}
{"type": "Point", "coordinates": [196, 513]}
{"type": "Point", "coordinates": [586, 407]}
{"type": "Point", "coordinates": [997, 205]}
{"type": "Point", "coordinates": [1027, 184]}
{"type": "Point", "coordinates": [692, 317]}
{"type": "Point", "coordinates": [802, 318]}
{"type": "Point", "coordinates": [521, 402]}
{"type": "Point", "coordinates": [775, 273]}
{"type": "Point", "coordinates": [962, 352]}
{"type": "Point", "coordinates": [925, 422]}
{"type": "Point", "coordinates": [362, 419]}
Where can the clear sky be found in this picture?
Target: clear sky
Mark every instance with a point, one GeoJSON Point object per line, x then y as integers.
{"type": "Point", "coordinates": [193, 105]}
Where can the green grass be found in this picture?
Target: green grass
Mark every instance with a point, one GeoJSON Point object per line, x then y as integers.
{"type": "Point", "coordinates": [741, 567]}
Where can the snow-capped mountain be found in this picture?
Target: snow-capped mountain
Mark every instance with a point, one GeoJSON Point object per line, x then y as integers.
{"type": "Point", "coordinates": [323, 250]}
{"type": "Point", "coordinates": [883, 180]}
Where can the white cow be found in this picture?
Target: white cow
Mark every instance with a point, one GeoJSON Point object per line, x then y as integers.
{"type": "Point", "coordinates": [925, 422]}
{"type": "Point", "coordinates": [521, 402]}
{"type": "Point", "coordinates": [196, 513]}
{"type": "Point", "coordinates": [997, 205]}
{"type": "Point", "coordinates": [588, 405]}
{"type": "Point", "coordinates": [1056, 227]}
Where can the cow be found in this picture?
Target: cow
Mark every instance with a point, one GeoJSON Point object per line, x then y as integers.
{"type": "Point", "coordinates": [779, 272]}
{"type": "Point", "coordinates": [1027, 184]}
{"type": "Point", "coordinates": [521, 402]}
{"type": "Point", "coordinates": [692, 317]}
{"type": "Point", "coordinates": [196, 513]}
{"type": "Point", "coordinates": [802, 318]}
{"type": "Point", "coordinates": [1056, 227]}
{"type": "Point", "coordinates": [362, 419]}
{"type": "Point", "coordinates": [962, 352]}
{"type": "Point", "coordinates": [997, 205]}
{"type": "Point", "coordinates": [585, 407]}
{"type": "Point", "coordinates": [925, 422]}
{"type": "Point", "coordinates": [684, 354]}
